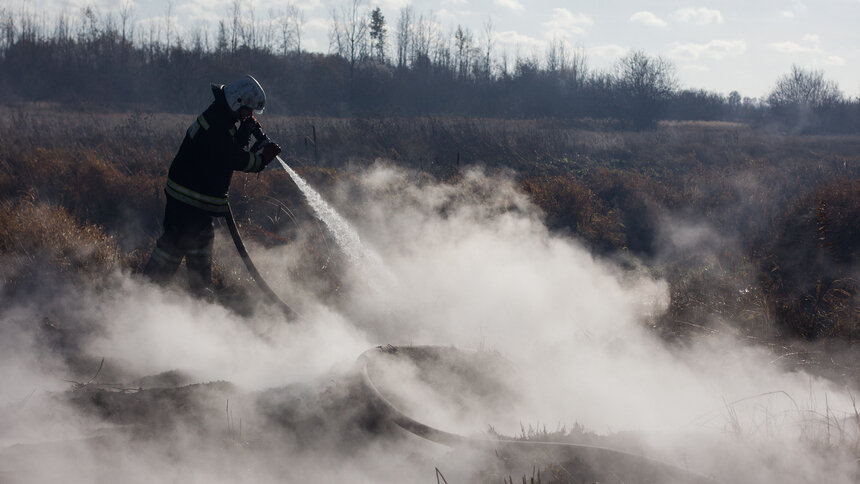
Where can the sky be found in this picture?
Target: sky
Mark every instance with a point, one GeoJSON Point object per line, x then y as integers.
{"type": "Point", "coordinates": [717, 45]}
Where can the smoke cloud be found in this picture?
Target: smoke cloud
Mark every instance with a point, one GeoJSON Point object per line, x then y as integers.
{"type": "Point", "coordinates": [467, 264]}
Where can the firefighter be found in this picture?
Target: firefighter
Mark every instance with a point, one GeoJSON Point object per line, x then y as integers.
{"type": "Point", "coordinates": [199, 178]}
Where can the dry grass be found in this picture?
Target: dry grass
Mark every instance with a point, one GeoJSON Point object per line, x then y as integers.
{"type": "Point", "coordinates": [616, 191]}
{"type": "Point", "coordinates": [39, 241]}
{"type": "Point", "coordinates": [810, 264]}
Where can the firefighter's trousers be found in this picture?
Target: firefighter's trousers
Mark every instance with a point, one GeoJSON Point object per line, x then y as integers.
{"type": "Point", "coordinates": [188, 233]}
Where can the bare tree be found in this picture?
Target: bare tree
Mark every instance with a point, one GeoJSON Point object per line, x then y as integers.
{"type": "Point", "coordinates": [288, 31]}
{"type": "Point", "coordinates": [645, 83]}
{"type": "Point", "coordinates": [348, 34]}
{"type": "Point", "coordinates": [425, 35]}
{"type": "Point", "coordinates": [577, 66]}
{"type": "Point", "coordinates": [570, 63]}
{"type": "Point", "coordinates": [643, 74]}
{"type": "Point", "coordinates": [110, 30]}
{"type": "Point", "coordinates": [236, 19]}
{"type": "Point", "coordinates": [404, 35]}
{"type": "Point", "coordinates": [290, 22]}
{"type": "Point", "coordinates": [489, 43]}
{"type": "Point", "coordinates": [168, 21]}
{"type": "Point", "coordinates": [154, 35]}
{"type": "Point", "coordinates": [30, 29]}
{"type": "Point", "coordinates": [503, 64]}
{"type": "Point", "coordinates": [804, 88]}
{"type": "Point", "coordinates": [555, 55]}
{"type": "Point", "coordinates": [221, 43]}
{"type": "Point", "coordinates": [442, 56]}
{"type": "Point", "coordinates": [126, 16]}
{"type": "Point", "coordinates": [200, 38]}
{"type": "Point", "coordinates": [263, 29]}
{"type": "Point", "coordinates": [248, 28]}
{"type": "Point", "coordinates": [89, 27]}
{"type": "Point", "coordinates": [269, 32]}
{"type": "Point", "coordinates": [7, 25]}
{"type": "Point", "coordinates": [63, 31]}
{"type": "Point", "coordinates": [462, 50]}
{"type": "Point", "coordinates": [299, 25]}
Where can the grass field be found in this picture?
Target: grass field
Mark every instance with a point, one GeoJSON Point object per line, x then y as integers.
{"type": "Point", "coordinates": [755, 233]}
{"type": "Point", "coordinates": [754, 228]}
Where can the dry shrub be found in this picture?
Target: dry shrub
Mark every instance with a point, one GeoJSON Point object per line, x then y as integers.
{"type": "Point", "coordinates": [46, 240]}
{"type": "Point", "coordinates": [637, 199]}
{"type": "Point", "coordinates": [89, 187]}
{"type": "Point", "coordinates": [810, 267]}
{"type": "Point", "coordinates": [569, 203]}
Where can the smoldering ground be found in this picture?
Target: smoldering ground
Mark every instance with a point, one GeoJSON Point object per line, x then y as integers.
{"type": "Point", "coordinates": [469, 264]}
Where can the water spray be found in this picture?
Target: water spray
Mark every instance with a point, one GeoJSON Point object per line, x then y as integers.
{"type": "Point", "coordinates": [345, 236]}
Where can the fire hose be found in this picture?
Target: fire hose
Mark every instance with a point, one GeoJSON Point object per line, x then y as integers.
{"type": "Point", "coordinates": [606, 460]}
{"type": "Point", "coordinates": [289, 313]}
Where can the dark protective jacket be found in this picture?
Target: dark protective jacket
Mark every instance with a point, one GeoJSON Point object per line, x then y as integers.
{"type": "Point", "coordinates": [211, 150]}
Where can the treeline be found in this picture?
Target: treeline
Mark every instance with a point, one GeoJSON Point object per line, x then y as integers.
{"type": "Point", "coordinates": [106, 60]}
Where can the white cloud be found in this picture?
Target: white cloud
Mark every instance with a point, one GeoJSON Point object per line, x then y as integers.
{"type": "Point", "coordinates": [648, 18]}
{"type": "Point", "coordinates": [391, 5]}
{"type": "Point", "coordinates": [318, 23]}
{"type": "Point", "coordinates": [809, 46]}
{"type": "Point", "coordinates": [608, 51]}
{"type": "Point", "coordinates": [56, 6]}
{"type": "Point", "coordinates": [145, 25]}
{"type": "Point", "coordinates": [831, 60]}
{"type": "Point", "coordinates": [797, 8]}
{"type": "Point", "coordinates": [313, 45]}
{"type": "Point", "coordinates": [789, 47]}
{"type": "Point", "coordinates": [715, 49]}
{"type": "Point", "coordinates": [453, 16]}
{"type": "Point", "coordinates": [304, 5]}
{"type": "Point", "coordinates": [511, 4]}
{"type": "Point", "coordinates": [514, 38]}
{"type": "Point", "coordinates": [695, 68]}
{"type": "Point", "coordinates": [564, 23]}
{"type": "Point", "coordinates": [195, 11]}
{"type": "Point", "coordinates": [700, 16]}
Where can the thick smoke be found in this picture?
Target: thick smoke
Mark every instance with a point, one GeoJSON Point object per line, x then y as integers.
{"type": "Point", "coordinates": [468, 264]}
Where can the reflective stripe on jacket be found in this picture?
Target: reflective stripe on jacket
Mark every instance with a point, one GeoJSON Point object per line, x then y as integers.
{"type": "Point", "coordinates": [199, 200]}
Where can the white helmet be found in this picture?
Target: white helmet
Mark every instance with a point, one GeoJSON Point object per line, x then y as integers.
{"type": "Point", "coordinates": [245, 92]}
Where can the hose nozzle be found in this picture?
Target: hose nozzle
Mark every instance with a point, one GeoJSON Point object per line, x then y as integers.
{"type": "Point", "coordinates": [261, 138]}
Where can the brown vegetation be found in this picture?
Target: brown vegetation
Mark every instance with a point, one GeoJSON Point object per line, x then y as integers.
{"type": "Point", "coordinates": [778, 260]}
{"type": "Point", "coordinates": [40, 241]}
{"type": "Point", "coordinates": [810, 267]}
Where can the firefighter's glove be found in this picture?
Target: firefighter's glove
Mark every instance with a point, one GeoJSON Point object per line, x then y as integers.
{"type": "Point", "coordinates": [246, 127]}
{"type": "Point", "coordinates": [268, 152]}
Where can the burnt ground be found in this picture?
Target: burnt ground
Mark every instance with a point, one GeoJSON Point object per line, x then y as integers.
{"type": "Point", "coordinates": [167, 427]}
